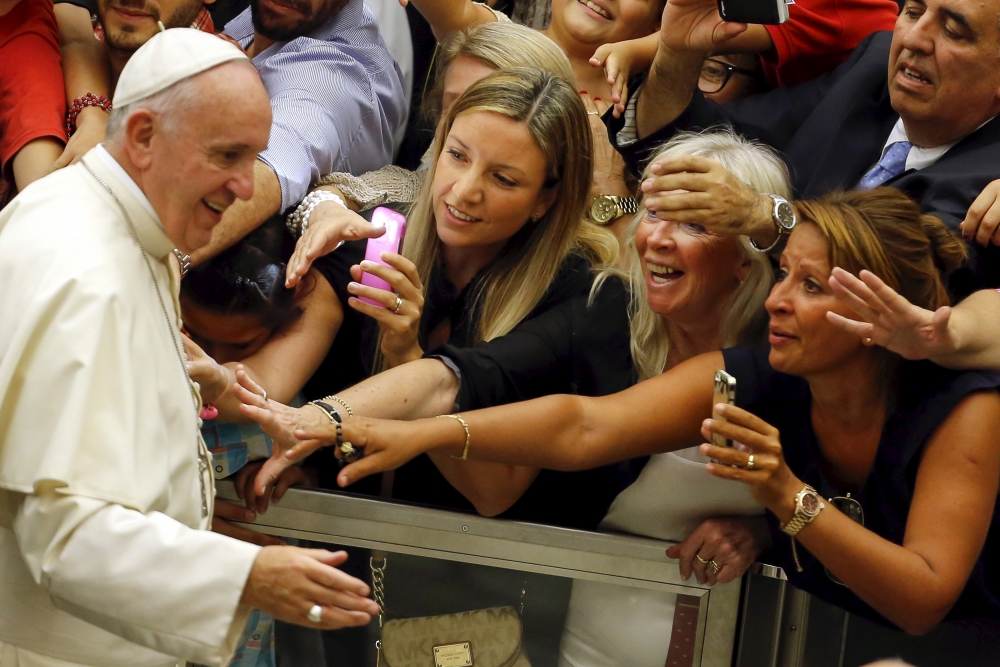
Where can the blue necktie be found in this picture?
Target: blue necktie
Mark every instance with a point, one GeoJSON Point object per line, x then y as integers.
{"type": "Point", "coordinates": [892, 164]}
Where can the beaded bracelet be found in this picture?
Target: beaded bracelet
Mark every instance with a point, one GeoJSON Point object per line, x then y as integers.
{"type": "Point", "coordinates": [298, 220]}
{"type": "Point", "coordinates": [79, 104]}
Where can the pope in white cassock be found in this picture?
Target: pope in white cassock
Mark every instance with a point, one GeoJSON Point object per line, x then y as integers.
{"type": "Point", "coordinates": [105, 491]}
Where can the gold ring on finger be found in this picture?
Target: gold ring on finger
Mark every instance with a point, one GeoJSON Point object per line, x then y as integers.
{"type": "Point", "coordinates": [701, 560]}
{"type": "Point", "coordinates": [399, 304]}
{"type": "Point", "coordinates": [750, 463]}
{"type": "Point", "coordinates": [713, 566]}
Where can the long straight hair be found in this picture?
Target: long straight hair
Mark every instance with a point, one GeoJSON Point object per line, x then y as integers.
{"type": "Point", "coordinates": [761, 169]}
{"type": "Point", "coordinates": [520, 275]}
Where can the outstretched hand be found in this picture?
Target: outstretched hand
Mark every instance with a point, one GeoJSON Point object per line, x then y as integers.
{"type": "Point", "coordinates": [696, 26]}
{"type": "Point", "coordinates": [889, 320]}
{"type": "Point", "coordinates": [329, 224]}
{"type": "Point", "coordinates": [278, 421]}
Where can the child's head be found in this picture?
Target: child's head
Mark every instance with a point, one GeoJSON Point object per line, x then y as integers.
{"type": "Point", "coordinates": [234, 302]}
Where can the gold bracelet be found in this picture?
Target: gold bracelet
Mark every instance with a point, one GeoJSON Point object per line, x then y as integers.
{"type": "Point", "coordinates": [468, 438]}
{"type": "Point", "coordinates": [350, 413]}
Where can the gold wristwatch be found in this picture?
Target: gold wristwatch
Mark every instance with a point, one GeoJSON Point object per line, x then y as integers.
{"type": "Point", "coordinates": [808, 505]}
{"type": "Point", "coordinates": [607, 208]}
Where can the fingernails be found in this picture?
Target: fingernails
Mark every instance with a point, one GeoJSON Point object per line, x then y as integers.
{"type": "Point", "coordinates": [583, 92]}
{"type": "Point", "coordinates": [703, 448]}
{"type": "Point", "coordinates": [249, 516]}
{"type": "Point", "coordinates": [352, 287]}
{"type": "Point", "coordinates": [365, 264]}
{"type": "Point", "coordinates": [597, 99]}
{"type": "Point", "coordinates": [647, 185]}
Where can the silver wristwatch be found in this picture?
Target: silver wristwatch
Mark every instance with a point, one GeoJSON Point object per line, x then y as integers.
{"type": "Point", "coordinates": [607, 208]}
{"type": "Point", "coordinates": [783, 215]}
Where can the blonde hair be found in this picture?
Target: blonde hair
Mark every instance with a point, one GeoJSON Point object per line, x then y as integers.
{"type": "Point", "coordinates": [519, 276]}
{"type": "Point", "coordinates": [760, 168]}
{"type": "Point", "coordinates": [500, 45]}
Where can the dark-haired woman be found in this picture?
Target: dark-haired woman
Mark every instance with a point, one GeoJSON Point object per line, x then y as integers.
{"type": "Point", "coordinates": [236, 308]}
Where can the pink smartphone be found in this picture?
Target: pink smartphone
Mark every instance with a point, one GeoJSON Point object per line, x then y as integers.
{"type": "Point", "coordinates": [391, 241]}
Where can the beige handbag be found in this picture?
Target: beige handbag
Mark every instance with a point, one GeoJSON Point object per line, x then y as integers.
{"type": "Point", "coordinates": [480, 638]}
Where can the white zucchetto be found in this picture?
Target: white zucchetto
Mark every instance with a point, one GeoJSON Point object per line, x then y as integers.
{"type": "Point", "coordinates": [169, 57]}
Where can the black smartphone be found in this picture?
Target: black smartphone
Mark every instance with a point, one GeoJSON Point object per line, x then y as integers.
{"type": "Point", "coordinates": [768, 12]}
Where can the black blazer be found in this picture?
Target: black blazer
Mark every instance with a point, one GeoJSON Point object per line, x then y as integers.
{"type": "Point", "coordinates": [831, 131]}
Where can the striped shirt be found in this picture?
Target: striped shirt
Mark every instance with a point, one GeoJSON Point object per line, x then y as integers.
{"type": "Point", "coordinates": [336, 99]}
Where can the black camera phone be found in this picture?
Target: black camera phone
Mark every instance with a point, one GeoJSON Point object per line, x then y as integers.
{"type": "Point", "coordinates": [768, 12]}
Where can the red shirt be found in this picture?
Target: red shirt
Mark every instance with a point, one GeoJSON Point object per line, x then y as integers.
{"type": "Point", "coordinates": [32, 96]}
{"type": "Point", "coordinates": [820, 34]}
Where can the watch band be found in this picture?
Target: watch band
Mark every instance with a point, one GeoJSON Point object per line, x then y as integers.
{"type": "Point", "coordinates": [777, 201]}
{"type": "Point", "coordinates": [626, 205]}
{"type": "Point", "coordinates": [797, 523]}
{"type": "Point", "coordinates": [801, 518]}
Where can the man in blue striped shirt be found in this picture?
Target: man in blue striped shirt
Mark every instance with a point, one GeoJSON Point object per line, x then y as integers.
{"type": "Point", "coordinates": [336, 97]}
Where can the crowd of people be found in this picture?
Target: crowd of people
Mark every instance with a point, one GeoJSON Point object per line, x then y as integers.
{"type": "Point", "coordinates": [608, 202]}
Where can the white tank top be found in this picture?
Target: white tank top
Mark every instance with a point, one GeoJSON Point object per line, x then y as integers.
{"type": "Point", "coordinates": [617, 626]}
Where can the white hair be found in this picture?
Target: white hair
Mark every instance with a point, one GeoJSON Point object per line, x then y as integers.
{"type": "Point", "coordinates": [759, 167]}
{"type": "Point", "coordinates": [169, 104]}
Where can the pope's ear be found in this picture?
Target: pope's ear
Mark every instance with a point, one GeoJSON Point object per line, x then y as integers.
{"type": "Point", "coordinates": [139, 131]}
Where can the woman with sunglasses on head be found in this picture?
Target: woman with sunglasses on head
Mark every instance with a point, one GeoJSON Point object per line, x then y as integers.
{"type": "Point", "coordinates": [821, 415]}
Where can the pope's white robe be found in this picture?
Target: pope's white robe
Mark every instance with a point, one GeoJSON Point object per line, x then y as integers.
{"type": "Point", "coordinates": [105, 558]}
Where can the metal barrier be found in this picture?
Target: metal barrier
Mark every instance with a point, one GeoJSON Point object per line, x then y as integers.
{"type": "Point", "coordinates": [625, 560]}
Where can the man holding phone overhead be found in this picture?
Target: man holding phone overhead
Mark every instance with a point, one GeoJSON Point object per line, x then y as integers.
{"type": "Point", "coordinates": [926, 129]}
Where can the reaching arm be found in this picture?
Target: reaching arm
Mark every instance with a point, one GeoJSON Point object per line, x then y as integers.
{"type": "Point", "coordinates": [450, 16]}
{"type": "Point", "coordinates": [962, 337]}
{"type": "Point", "coordinates": [557, 432]}
{"type": "Point", "coordinates": [85, 70]}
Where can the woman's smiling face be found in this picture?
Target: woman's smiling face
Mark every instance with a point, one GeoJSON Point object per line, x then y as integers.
{"type": "Point", "coordinates": [489, 182]}
{"type": "Point", "coordinates": [689, 272]}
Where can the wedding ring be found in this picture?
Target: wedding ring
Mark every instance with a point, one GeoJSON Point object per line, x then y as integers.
{"type": "Point", "coordinates": [713, 566]}
{"type": "Point", "coordinates": [399, 304]}
{"type": "Point", "coordinates": [593, 113]}
{"type": "Point", "coordinates": [315, 614]}
{"type": "Point", "coordinates": [701, 560]}
{"type": "Point", "coordinates": [750, 463]}
{"type": "Point", "coordinates": [265, 394]}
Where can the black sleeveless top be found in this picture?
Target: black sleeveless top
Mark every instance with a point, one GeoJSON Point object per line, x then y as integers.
{"type": "Point", "coordinates": [926, 394]}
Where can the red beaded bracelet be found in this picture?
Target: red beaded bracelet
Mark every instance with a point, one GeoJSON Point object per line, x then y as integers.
{"type": "Point", "coordinates": [88, 100]}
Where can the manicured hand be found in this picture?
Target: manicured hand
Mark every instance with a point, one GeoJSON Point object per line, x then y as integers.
{"type": "Point", "coordinates": [399, 327]}
{"type": "Point", "coordinates": [730, 542]}
{"type": "Point", "coordinates": [889, 319]}
{"type": "Point", "coordinates": [329, 224]}
{"type": "Point", "coordinates": [286, 582]}
{"type": "Point", "coordinates": [771, 482]}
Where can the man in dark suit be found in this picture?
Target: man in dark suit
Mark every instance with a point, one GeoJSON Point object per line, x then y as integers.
{"type": "Point", "coordinates": [927, 129]}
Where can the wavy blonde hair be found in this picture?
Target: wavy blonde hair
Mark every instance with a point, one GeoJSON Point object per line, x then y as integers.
{"type": "Point", "coordinates": [500, 45]}
{"type": "Point", "coordinates": [520, 275]}
{"type": "Point", "coordinates": [760, 168]}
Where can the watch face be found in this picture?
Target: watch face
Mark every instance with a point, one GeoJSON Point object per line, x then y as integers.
{"type": "Point", "coordinates": [810, 504]}
{"type": "Point", "coordinates": [785, 214]}
{"type": "Point", "coordinates": [603, 210]}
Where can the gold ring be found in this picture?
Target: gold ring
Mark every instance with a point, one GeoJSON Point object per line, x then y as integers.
{"type": "Point", "coordinates": [750, 463]}
{"type": "Point", "coordinates": [265, 394]}
{"type": "Point", "coordinates": [399, 304]}
{"type": "Point", "coordinates": [701, 560]}
{"type": "Point", "coordinates": [713, 566]}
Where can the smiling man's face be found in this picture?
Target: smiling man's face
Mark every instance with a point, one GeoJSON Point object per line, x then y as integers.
{"type": "Point", "coordinates": [128, 24]}
{"type": "Point", "coordinates": [944, 68]}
